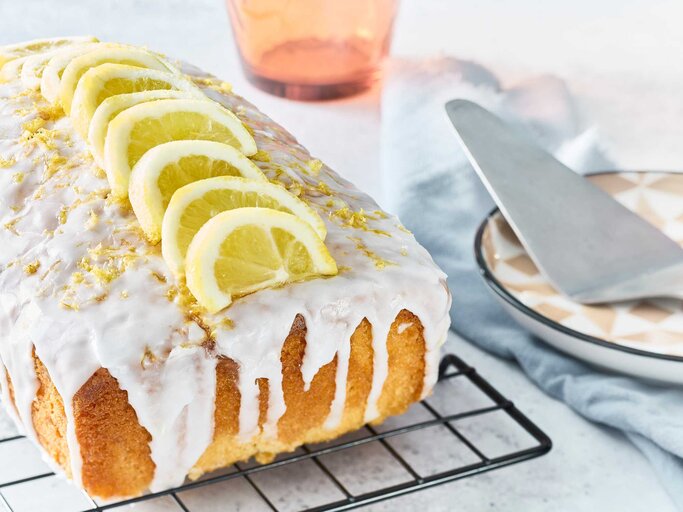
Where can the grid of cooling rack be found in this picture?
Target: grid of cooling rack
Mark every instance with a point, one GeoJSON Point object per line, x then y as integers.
{"type": "Point", "coordinates": [466, 427]}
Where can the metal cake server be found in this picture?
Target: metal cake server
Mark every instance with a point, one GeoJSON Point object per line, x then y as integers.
{"type": "Point", "coordinates": [587, 244]}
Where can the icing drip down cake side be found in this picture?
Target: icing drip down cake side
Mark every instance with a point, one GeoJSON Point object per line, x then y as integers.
{"type": "Point", "coordinates": [109, 364]}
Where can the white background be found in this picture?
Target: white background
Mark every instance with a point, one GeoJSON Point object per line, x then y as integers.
{"type": "Point", "coordinates": [623, 60]}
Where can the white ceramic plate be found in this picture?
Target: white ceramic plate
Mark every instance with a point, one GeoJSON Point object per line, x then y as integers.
{"type": "Point", "coordinates": [640, 338]}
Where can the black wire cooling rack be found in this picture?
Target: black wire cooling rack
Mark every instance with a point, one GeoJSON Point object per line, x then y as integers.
{"type": "Point", "coordinates": [465, 428]}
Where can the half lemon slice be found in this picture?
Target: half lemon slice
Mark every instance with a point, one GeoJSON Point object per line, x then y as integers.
{"type": "Point", "coordinates": [34, 65]}
{"type": "Point", "coordinates": [139, 128]}
{"type": "Point", "coordinates": [195, 204]}
{"type": "Point", "coordinates": [105, 54]}
{"type": "Point", "coordinates": [54, 68]}
{"type": "Point", "coordinates": [21, 66]}
{"type": "Point", "coordinates": [105, 80]}
{"type": "Point", "coordinates": [241, 251]}
{"type": "Point", "coordinates": [167, 167]}
{"type": "Point", "coordinates": [12, 69]}
{"type": "Point", "coordinates": [112, 106]}
{"type": "Point", "coordinates": [14, 51]}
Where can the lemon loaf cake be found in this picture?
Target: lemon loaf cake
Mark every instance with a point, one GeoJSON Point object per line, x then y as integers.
{"type": "Point", "coordinates": [182, 285]}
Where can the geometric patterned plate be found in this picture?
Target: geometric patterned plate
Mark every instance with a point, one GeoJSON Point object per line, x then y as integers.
{"type": "Point", "coordinates": [651, 327]}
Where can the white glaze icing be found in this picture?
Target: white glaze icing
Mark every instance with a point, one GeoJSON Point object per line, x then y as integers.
{"type": "Point", "coordinates": [125, 321]}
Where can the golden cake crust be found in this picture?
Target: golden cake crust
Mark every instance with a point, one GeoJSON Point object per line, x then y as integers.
{"type": "Point", "coordinates": [115, 448]}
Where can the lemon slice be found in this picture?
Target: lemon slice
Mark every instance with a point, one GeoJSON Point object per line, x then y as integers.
{"type": "Point", "coordinates": [195, 204]}
{"type": "Point", "coordinates": [166, 168]}
{"type": "Point", "coordinates": [105, 80]}
{"type": "Point", "coordinates": [112, 54]}
{"type": "Point", "coordinates": [14, 51]}
{"type": "Point", "coordinates": [33, 65]}
{"type": "Point", "coordinates": [248, 249]}
{"type": "Point", "coordinates": [112, 106]}
{"type": "Point", "coordinates": [141, 127]}
{"type": "Point", "coordinates": [52, 72]}
{"type": "Point", "coordinates": [12, 69]}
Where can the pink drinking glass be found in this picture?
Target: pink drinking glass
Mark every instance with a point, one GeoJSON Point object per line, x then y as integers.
{"type": "Point", "coordinates": [312, 49]}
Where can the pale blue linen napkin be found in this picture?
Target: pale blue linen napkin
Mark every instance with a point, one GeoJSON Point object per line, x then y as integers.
{"type": "Point", "coordinates": [433, 189]}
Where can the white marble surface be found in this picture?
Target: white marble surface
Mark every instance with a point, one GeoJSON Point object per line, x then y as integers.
{"type": "Point", "coordinates": [622, 60]}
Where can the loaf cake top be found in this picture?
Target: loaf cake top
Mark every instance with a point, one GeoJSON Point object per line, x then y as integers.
{"type": "Point", "coordinates": [81, 286]}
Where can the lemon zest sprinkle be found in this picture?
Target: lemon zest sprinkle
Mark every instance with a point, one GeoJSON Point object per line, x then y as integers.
{"type": "Point", "coordinates": [33, 125]}
{"type": "Point", "coordinates": [11, 226]}
{"type": "Point", "coordinates": [227, 323]}
{"type": "Point", "coordinates": [261, 156]}
{"type": "Point", "coordinates": [50, 112]}
{"type": "Point", "coordinates": [380, 263]}
{"type": "Point", "coordinates": [148, 357]}
{"type": "Point", "coordinates": [77, 277]}
{"type": "Point", "coordinates": [324, 188]}
{"type": "Point", "coordinates": [358, 220]}
{"type": "Point", "coordinates": [106, 264]}
{"type": "Point", "coordinates": [7, 162]}
{"type": "Point", "coordinates": [31, 268]}
{"type": "Point", "coordinates": [315, 166]}
{"type": "Point", "coordinates": [68, 305]}
{"type": "Point", "coordinates": [41, 136]}
{"type": "Point", "coordinates": [63, 214]}
{"type": "Point", "coordinates": [99, 172]}
{"type": "Point", "coordinates": [213, 83]}
{"type": "Point", "coordinates": [54, 164]}
{"type": "Point", "coordinates": [159, 277]}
